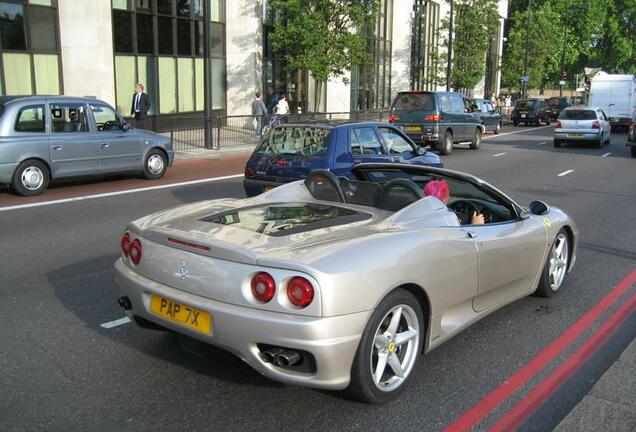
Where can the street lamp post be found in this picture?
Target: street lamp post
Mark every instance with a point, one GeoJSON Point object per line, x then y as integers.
{"type": "Point", "coordinates": [565, 38]}
{"type": "Point", "coordinates": [450, 49]}
{"type": "Point", "coordinates": [207, 73]}
{"type": "Point", "coordinates": [525, 60]}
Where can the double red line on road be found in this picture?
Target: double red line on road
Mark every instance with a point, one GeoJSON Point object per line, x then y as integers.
{"type": "Point", "coordinates": [524, 408]}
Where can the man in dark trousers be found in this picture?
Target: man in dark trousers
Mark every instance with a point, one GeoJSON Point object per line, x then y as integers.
{"type": "Point", "coordinates": [140, 106]}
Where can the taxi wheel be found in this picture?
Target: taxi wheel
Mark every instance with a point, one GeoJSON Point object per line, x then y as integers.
{"type": "Point", "coordinates": [155, 164]}
{"type": "Point", "coordinates": [389, 349]}
{"type": "Point", "coordinates": [556, 266]}
{"type": "Point", "coordinates": [30, 178]}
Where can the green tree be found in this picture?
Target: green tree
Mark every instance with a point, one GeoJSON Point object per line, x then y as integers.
{"type": "Point", "coordinates": [325, 37]}
{"type": "Point", "coordinates": [615, 48]}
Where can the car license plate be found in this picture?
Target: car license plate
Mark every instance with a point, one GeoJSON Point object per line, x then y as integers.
{"type": "Point", "coordinates": [575, 135]}
{"type": "Point", "coordinates": [180, 313]}
{"type": "Point", "coordinates": [412, 128]}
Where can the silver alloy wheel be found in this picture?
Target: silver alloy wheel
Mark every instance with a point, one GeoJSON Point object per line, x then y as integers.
{"type": "Point", "coordinates": [155, 164]}
{"type": "Point", "coordinates": [394, 348]}
{"type": "Point", "coordinates": [559, 256]}
{"type": "Point", "coordinates": [32, 178]}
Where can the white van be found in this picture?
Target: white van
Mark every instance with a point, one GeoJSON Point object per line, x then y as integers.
{"type": "Point", "coordinates": [616, 96]}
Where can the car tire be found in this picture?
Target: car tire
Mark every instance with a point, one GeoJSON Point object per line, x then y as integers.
{"type": "Point", "coordinates": [557, 143]}
{"type": "Point", "coordinates": [30, 178]}
{"type": "Point", "coordinates": [606, 142]}
{"type": "Point", "coordinates": [599, 143]}
{"type": "Point", "coordinates": [476, 142]}
{"type": "Point", "coordinates": [555, 267]}
{"type": "Point", "coordinates": [155, 164]}
{"type": "Point", "coordinates": [373, 377]}
{"type": "Point", "coordinates": [498, 129]}
{"type": "Point", "coordinates": [633, 150]}
{"type": "Point", "coordinates": [446, 146]}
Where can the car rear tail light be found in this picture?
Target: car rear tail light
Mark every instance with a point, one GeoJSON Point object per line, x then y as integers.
{"type": "Point", "coordinates": [282, 162]}
{"type": "Point", "coordinates": [393, 118]}
{"type": "Point", "coordinates": [433, 118]}
{"type": "Point", "coordinates": [557, 125]}
{"type": "Point", "coordinates": [263, 287]}
{"type": "Point", "coordinates": [300, 291]}
{"type": "Point", "coordinates": [595, 125]}
{"type": "Point", "coordinates": [135, 251]}
{"type": "Point", "coordinates": [125, 244]}
{"type": "Point", "coordinates": [249, 171]}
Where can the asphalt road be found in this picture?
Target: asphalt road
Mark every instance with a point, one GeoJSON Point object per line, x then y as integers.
{"type": "Point", "coordinates": [61, 371]}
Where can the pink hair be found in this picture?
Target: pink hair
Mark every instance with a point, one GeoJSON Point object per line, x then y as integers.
{"type": "Point", "coordinates": [438, 189]}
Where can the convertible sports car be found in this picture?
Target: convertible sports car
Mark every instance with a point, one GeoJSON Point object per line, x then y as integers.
{"type": "Point", "coordinates": [337, 283]}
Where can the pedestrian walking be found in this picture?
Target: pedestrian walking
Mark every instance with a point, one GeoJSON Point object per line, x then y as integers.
{"type": "Point", "coordinates": [282, 108]}
{"type": "Point", "coordinates": [508, 101]}
{"type": "Point", "coordinates": [259, 111]}
{"type": "Point", "coordinates": [272, 100]}
{"type": "Point", "coordinates": [140, 106]}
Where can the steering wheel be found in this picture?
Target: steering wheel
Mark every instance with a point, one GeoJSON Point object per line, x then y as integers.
{"type": "Point", "coordinates": [464, 210]}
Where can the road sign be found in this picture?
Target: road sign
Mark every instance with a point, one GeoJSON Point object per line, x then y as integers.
{"type": "Point", "coordinates": [525, 78]}
{"type": "Point", "coordinates": [561, 82]}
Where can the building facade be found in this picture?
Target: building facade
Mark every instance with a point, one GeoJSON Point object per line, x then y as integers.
{"type": "Point", "coordinates": [101, 48]}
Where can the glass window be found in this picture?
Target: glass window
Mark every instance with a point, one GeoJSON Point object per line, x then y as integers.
{"type": "Point", "coordinates": [199, 84]}
{"type": "Point", "coordinates": [198, 7]}
{"type": "Point", "coordinates": [124, 82]}
{"type": "Point", "coordinates": [164, 7]}
{"type": "Point", "coordinates": [122, 31]}
{"type": "Point", "coordinates": [41, 2]}
{"type": "Point", "coordinates": [165, 35]}
{"type": "Point", "coordinates": [47, 74]}
{"type": "Point", "coordinates": [105, 118]}
{"type": "Point", "coordinates": [144, 4]}
{"type": "Point", "coordinates": [145, 42]}
{"type": "Point", "coordinates": [42, 24]}
{"type": "Point", "coordinates": [299, 141]}
{"type": "Point", "coordinates": [167, 86]}
{"type": "Point", "coordinates": [68, 118]}
{"type": "Point", "coordinates": [198, 38]}
{"type": "Point", "coordinates": [17, 74]}
{"type": "Point", "coordinates": [414, 102]}
{"type": "Point", "coordinates": [184, 8]}
{"type": "Point", "coordinates": [185, 73]}
{"type": "Point", "coordinates": [218, 84]}
{"type": "Point", "coordinates": [30, 119]}
{"type": "Point", "coordinates": [395, 143]}
{"type": "Point", "coordinates": [364, 141]}
{"type": "Point", "coordinates": [217, 39]}
{"type": "Point", "coordinates": [577, 115]}
{"type": "Point", "coordinates": [147, 76]}
{"type": "Point", "coordinates": [457, 104]}
{"type": "Point", "coordinates": [216, 10]}
{"type": "Point", "coordinates": [121, 4]}
{"type": "Point", "coordinates": [184, 38]}
{"type": "Point", "coordinates": [12, 26]}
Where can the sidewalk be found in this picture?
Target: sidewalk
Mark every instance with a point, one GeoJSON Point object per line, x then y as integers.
{"type": "Point", "coordinates": [611, 404]}
{"type": "Point", "coordinates": [224, 152]}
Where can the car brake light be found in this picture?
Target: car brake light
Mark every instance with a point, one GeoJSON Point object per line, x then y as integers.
{"type": "Point", "coordinates": [300, 291]}
{"type": "Point", "coordinates": [393, 118]}
{"type": "Point", "coordinates": [595, 125]}
{"type": "Point", "coordinates": [557, 125]}
{"type": "Point", "coordinates": [125, 244]}
{"type": "Point", "coordinates": [249, 171]}
{"type": "Point", "coordinates": [282, 162]}
{"type": "Point", "coordinates": [135, 251]}
{"type": "Point", "coordinates": [436, 118]}
{"type": "Point", "coordinates": [263, 287]}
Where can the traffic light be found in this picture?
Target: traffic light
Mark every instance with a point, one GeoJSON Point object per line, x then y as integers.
{"type": "Point", "coordinates": [564, 75]}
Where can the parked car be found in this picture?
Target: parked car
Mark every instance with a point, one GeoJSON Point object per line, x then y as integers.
{"type": "Point", "coordinates": [438, 119]}
{"type": "Point", "coordinates": [290, 152]}
{"type": "Point", "coordinates": [615, 94]}
{"type": "Point", "coordinates": [578, 101]}
{"type": "Point", "coordinates": [531, 111]}
{"type": "Point", "coordinates": [55, 137]}
{"type": "Point", "coordinates": [581, 125]}
{"type": "Point", "coordinates": [489, 115]}
{"type": "Point", "coordinates": [631, 138]}
{"type": "Point", "coordinates": [341, 284]}
{"type": "Point", "coordinates": [558, 104]}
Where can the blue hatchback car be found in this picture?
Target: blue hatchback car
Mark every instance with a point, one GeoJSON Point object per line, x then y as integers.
{"type": "Point", "coordinates": [291, 151]}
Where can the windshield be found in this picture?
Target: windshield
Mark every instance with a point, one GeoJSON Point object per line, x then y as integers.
{"type": "Point", "coordinates": [577, 115]}
{"type": "Point", "coordinates": [414, 102]}
{"type": "Point", "coordinates": [525, 104]}
{"type": "Point", "coordinates": [294, 140]}
{"type": "Point", "coordinates": [287, 218]}
{"type": "Point", "coordinates": [558, 102]}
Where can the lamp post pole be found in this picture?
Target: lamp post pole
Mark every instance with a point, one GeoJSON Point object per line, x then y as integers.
{"type": "Point", "coordinates": [450, 49]}
{"type": "Point", "coordinates": [207, 72]}
{"type": "Point", "coordinates": [525, 60]}
{"type": "Point", "coordinates": [565, 38]}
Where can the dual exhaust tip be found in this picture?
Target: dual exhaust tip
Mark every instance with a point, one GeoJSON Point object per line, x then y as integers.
{"type": "Point", "coordinates": [281, 357]}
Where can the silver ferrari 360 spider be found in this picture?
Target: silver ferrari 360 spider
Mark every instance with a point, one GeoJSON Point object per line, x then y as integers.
{"type": "Point", "coordinates": [337, 283]}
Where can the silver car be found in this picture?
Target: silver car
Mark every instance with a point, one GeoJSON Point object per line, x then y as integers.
{"type": "Point", "coordinates": [48, 138]}
{"type": "Point", "coordinates": [582, 125]}
{"type": "Point", "coordinates": [341, 284]}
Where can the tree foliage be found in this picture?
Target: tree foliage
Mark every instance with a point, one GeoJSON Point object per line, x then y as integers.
{"type": "Point", "coordinates": [325, 37]}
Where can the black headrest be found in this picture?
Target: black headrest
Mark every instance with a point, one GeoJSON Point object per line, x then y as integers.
{"type": "Point", "coordinates": [324, 185]}
{"type": "Point", "coordinates": [398, 193]}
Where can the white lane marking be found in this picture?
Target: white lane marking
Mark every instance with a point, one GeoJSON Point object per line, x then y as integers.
{"type": "Point", "coordinates": [606, 154]}
{"type": "Point", "coordinates": [543, 143]}
{"type": "Point", "coordinates": [515, 132]}
{"type": "Point", "coordinates": [499, 154]}
{"type": "Point", "coordinates": [564, 173]}
{"type": "Point", "coordinates": [123, 192]}
{"type": "Point", "coordinates": [115, 323]}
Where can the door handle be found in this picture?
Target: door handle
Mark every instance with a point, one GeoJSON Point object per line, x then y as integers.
{"type": "Point", "coordinates": [471, 234]}
{"type": "Point", "coordinates": [57, 147]}
{"type": "Point", "coordinates": [104, 145]}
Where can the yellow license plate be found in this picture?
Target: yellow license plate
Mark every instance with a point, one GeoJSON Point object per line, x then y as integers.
{"type": "Point", "coordinates": [575, 135]}
{"type": "Point", "coordinates": [412, 128]}
{"type": "Point", "coordinates": [182, 314]}
{"type": "Point", "coordinates": [269, 188]}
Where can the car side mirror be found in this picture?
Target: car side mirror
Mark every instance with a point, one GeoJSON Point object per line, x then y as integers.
{"type": "Point", "coordinates": [125, 126]}
{"type": "Point", "coordinates": [498, 110]}
{"type": "Point", "coordinates": [421, 150]}
{"type": "Point", "coordinates": [538, 208]}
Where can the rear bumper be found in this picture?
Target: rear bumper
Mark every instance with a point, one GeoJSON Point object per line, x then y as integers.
{"type": "Point", "coordinates": [332, 341]}
{"type": "Point", "coordinates": [577, 136]}
{"type": "Point", "coordinates": [255, 187]}
{"type": "Point", "coordinates": [6, 172]}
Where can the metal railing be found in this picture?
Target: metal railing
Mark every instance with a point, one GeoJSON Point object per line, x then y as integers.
{"type": "Point", "coordinates": [243, 130]}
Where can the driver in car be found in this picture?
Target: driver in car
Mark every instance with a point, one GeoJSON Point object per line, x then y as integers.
{"type": "Point", "coordinates": [439, 189]}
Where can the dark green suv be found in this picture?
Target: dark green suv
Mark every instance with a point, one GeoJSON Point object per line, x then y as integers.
{"type": "Point", "coordinates": [438, 119]}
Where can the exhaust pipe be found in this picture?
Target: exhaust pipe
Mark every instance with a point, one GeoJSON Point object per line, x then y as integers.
{"type": "Point", "coordinates": [269, 356]}
{"type": "Point", "coordinates": [288, 358]}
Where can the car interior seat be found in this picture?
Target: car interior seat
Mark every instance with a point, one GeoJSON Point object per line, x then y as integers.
{"type": "Point", "coordinates": [324, 185]}
{"type": "Point", "coordinates": [398, 193]}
